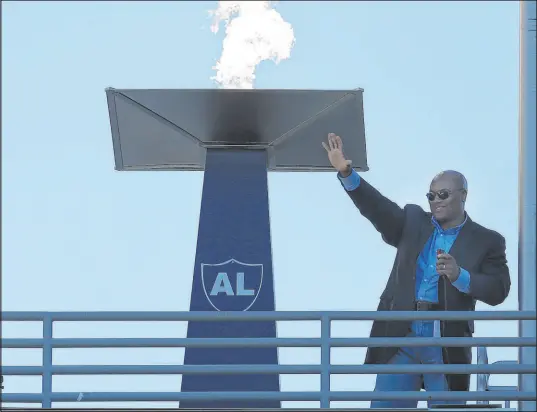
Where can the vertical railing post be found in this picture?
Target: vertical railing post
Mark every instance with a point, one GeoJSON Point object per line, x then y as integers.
{"type": "Point", "coordinates": [527, 194]}
{"type": "Point", "coordinates": [325, 361]}
{"type": "Point", "coordinates": [482, 378]}
{"type": "Point", "coordinates": [46, 383]}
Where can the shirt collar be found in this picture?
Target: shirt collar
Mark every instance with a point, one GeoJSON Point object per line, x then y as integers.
{"type": "Point", "coordinates": [450, 231]}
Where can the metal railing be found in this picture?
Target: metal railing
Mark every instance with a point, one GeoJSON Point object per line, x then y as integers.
{"type": "Point", "coordinates": [324, 369]}
{"type": "Point", "coordinates": [483, 383]}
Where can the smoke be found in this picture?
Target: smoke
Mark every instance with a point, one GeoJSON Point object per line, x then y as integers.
{"type": "Point", "coordinates": [254, 32]}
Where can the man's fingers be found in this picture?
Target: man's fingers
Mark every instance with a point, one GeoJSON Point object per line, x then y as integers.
{"type": "Point", "coordinates": [444, 264]}
{"type": "Point", "coordinates": [444, 273]}
{"type": "Point", "coordinates": [331, 141]}
{"type": "Point", "coordinates": [339, 143]}
{"type": "Point", "coordinates": [444, 256]}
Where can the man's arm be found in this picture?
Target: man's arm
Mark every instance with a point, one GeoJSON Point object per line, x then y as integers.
{"type": "Point", "coordinates": [386, 216]}
{"type": "Point", "coordinates": [492, 283]}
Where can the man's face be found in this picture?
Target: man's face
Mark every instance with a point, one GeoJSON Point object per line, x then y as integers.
{"type": "Point", "coordinates": [447, 204]}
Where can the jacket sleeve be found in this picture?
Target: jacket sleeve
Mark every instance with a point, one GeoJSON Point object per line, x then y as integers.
{"type": "Point", "coordinates": [492, 283]}
{"type": "Point", "coordinates": [386, 216]}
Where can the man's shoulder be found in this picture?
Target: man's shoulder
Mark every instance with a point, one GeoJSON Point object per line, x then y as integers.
{"type": "Point", "coordinates": [487, 233]}
{"type": "Point", "coordinates": [413, 211]}
{"type": "Point", "coordinates": [415, 217]}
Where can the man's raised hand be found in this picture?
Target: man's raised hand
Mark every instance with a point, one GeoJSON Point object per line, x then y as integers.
{"type": "Point", "coordinates": [334, 148]}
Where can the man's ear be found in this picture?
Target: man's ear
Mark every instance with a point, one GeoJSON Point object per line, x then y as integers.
{"type": "Point", "coordinates": [464, 194]}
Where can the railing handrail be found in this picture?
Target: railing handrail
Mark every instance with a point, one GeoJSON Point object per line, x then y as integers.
{"type": "Point", "coordinates": [363, 369]}
{"type": "Point", "coordinates": [266, 342]}
{"type": "Point", "coordinates": [262, 395]}
{"type": "Point", "coordinates": [140, 316]}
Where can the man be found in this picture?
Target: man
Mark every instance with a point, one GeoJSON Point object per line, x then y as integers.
{"type": "Point", "coordinates": [444, 261]}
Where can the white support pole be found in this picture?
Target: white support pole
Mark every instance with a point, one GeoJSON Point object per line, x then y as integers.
{"type": "Point", "coordinates": [527, 209]}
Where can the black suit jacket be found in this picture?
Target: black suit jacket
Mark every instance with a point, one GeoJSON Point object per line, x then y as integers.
{"type": "Point", "coordinates": [479, 250]}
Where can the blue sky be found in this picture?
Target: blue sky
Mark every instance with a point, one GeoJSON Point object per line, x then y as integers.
{"type": "Point", "coordinates": [441, 92]}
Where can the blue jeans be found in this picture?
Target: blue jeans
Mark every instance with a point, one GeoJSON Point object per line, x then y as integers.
{"type": "Point", "coordinates": [413, 382]}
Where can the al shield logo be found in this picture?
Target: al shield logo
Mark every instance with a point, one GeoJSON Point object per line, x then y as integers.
{"type": "Point", "coordinates": [232, 285]}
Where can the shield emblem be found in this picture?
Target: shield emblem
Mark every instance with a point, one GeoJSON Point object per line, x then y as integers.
{"type": "Point", "coordinates": [232, 285]}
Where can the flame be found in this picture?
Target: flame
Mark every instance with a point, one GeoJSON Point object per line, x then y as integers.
{"type": "Point", "coordinates": [254, 32]}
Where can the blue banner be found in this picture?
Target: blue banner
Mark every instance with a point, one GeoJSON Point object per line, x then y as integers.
{"type": "Point", "coordinates": [233, 272]}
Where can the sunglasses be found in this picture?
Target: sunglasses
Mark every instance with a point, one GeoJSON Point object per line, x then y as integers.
{"type": "Point", "coordinates": [442, 194]}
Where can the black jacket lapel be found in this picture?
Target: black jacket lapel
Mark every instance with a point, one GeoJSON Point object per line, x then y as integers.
{"type": "Point", "coordinates": [426, 230]}
{"type": "Point", "coordinates": [463, 243]}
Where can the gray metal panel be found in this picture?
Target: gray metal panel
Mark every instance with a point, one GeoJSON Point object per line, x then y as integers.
{"type": "Point", "coordinates": [146, 142]}
{"type": "Point", "coordinates": [302, 149]}
{"type": "Point", "coordinates": [171, 129]}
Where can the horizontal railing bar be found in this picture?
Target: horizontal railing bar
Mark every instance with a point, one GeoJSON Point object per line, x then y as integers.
{"type": "Point", "coordinates": [281, 396]}
{"type": "Point", "coordinates": [162, 342]}
{"type": "Point", "coordinates": [269, 316]}
{"type": "Point", "coordinates": [424, 342]}
{"type": "Point", "coordinates": [502, 388]}
{"type": "Point", "coordinates": [267, 342]}
{"type": "Point", "coordinates": [264, 369]}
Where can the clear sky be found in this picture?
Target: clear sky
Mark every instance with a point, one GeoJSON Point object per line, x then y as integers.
{"type": "Point", "coordinates": [441, 92]}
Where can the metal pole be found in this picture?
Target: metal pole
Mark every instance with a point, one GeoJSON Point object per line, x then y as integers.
{"type": "Point", "coordinates": [527, 164]}
{"type": "Point", "coordinates": [325, 361]}
{"type": "Point", "coordinates": [46, 383]}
